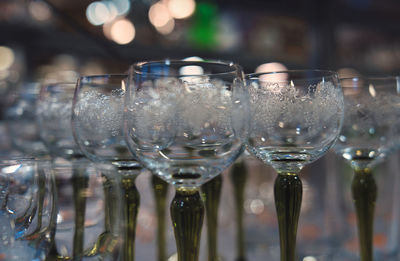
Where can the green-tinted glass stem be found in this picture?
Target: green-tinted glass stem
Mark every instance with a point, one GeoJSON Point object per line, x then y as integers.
{"type": "Point", "coordinates": [239, 177]}
{"type": "Point", "coordinates": [187, 214]}
{"type": "Point", "coordinates": [160, 190]}
{"type": "Point", "coordinates": [130, 205]}
{"type": "Point", "coordinates": [364, 192]}
{"type": "Point", "coordinates": [288, 191]}
{"type": "Point", "coordinates": [212, 195]}
{"type": "Point", "coordinates": [106, 242]}
{"type": "Point", "coordinates": [80, 182]}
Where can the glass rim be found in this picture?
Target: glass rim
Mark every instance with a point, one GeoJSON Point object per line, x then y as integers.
{"type": "Point", "coordinates": [377, 81]}
{"type": "Point", "coordinates": [372, 78]}
{"type": "Point", "coordinates": [236, 68]}
{"type": "Point", "coordinates": [99, 76]}
{"type": "Point", "coordinates": [52, 86]}
{"type": "Point", "coordinates": [7, 161]}
{"type": "Point", "coordinates": [324, 73]}
{"type": "Point", "coordinates": [58, 83]}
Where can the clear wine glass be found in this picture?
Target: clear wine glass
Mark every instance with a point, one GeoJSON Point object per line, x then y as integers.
{"type": "Point", "coordinates": [97, 115]}
{"type": "Point", "coordinates": [53, 114]}
{"type": "Point", "coordinates": [27, 209]}
{"type": "Point", "coordinates": [296, 117]}
{"type": "Point", "coordinates": [186, 121]}
{"type": "Point", "coordinates": [370, 132]}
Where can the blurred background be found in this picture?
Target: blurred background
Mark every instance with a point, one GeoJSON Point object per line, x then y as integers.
{"type": "Point", "coordinates": [59, 39]}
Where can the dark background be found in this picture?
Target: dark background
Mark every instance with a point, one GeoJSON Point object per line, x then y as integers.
{"type": "Point", "coordinates": [353, 35]}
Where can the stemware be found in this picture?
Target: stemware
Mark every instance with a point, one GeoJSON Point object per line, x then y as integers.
{"type": "Point", "coordinates": [369, 134]}
{"type": "Point", "coordinates": [53, 114]}
{"type": "Point", "coordinates": [97, 127]}
{"type": "Point", "coordinates": [295, 118]}
{"type": "Point", "coordinates": [27, 209]}
{"type": "Point", "coordinates": [186, 122]}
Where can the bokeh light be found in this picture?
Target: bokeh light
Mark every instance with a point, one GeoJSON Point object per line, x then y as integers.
{"type": "Point", "coordinates": [123, 6]}
{"type": "Point", "coordinates": [167, 28]}
{"type": "Point", "coordinates": [309, 258]}
{"type": "Point", "coordinates": [112, 11]}
{"type": "Point", "coordinates": [107, 30]}
{"type": "Point", "coordinates": [7, 57]}
{"type": "Point", "coordinates": [98, 13]}
{"type": "Point", "coordinates": [159, 15]}
{"type": "Point", "coordinates": [39, 11]}
{"type": "Point", "coordinates": [347, 73]}
{"type": "Point", "coordinates": [191, 69]}
{"type": "Point", "coordinates": [181, 9]}
{"type": "Point", "coordinates": [272, 67]}
{"type": "Point", "coordinates": [193, 58]}
{"type": "Point", "coordinates": [123, 31]}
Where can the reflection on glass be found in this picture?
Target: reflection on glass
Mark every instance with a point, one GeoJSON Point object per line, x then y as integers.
{"type": "Point", "coordinates": [84, 229]}
{"type": "Point", "coordinates": [296, 117]}
{"type": "Point", "coordinates": [185, 121]}
{"type": "Point", "coordinates": [28, 209]}
{"type": "Point", "coordinates": [370, 132]}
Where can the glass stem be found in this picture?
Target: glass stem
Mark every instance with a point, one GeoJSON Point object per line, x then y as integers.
{"type": "Point", "coordinates": [187, 214]}
{"type": "Point", "coordinates": [239, 176]}
{"type": "Point", "coordinates": [110, 208]}
{"type": "Point", "coordinates": [40, 202]}
{"type": "Point", "coordinates": [130, 206]}
{"type": "Point", "coordinates": [80, 183]}
{"type": "Point", "coordinates": [160, 190]}
{"type": "Point", "coordinates": [364, 192]}
{"type": "Point", "coordinates": [288, 192]}
{"type": "Point", "coordinates": [212, 192]}
{"type": "Point", "coordinates": [53, 252]}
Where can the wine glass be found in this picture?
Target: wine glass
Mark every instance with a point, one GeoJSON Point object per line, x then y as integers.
{"type": "Point", "coordinates": [186, 121]}
{"type": "Point", "coordinates": [27, 209]}
{"type": "Point", "coordinates": [369, 134]}
{"type": "Point", "coordinates": [53, 113]}
{"type": "Point", "coordinates": [97, 114]}
{"type": "Point", "coordinates": [53, 116]}
{"type": "Point", "coordinates": [296, 117]}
